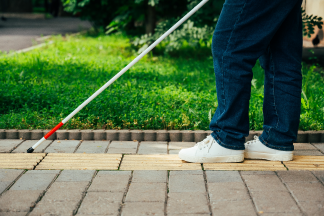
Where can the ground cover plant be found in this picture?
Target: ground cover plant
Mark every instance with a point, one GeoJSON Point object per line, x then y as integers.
{"type": "Point", "coordinates": [40, 88]}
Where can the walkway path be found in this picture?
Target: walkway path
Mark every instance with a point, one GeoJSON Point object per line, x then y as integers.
{"type": "Point", "coordinates": [16, 34]}
{"type": "Point", "coordinates": [122, 186]}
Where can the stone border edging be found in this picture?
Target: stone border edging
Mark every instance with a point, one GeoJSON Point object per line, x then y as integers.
{"type": "Point", "coordinates": [140, 135]}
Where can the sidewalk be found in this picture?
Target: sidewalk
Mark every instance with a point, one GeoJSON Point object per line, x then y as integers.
{"type": "Point", "coordinates": [122, 186]}
{"type": "Point", "coordinates": [16, 34]}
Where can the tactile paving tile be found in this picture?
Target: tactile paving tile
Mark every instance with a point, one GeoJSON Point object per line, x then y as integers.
{"type": "Point", "coordinates": [251, 165]}
{"type": "Point", "coordinates": [156, 162]}
{"type": "Point", "coordinates": [306, 163]}
{"type": "Point", "coordinates": [75, 161]}
{"type": "Point", "coordinates": [20, 160]}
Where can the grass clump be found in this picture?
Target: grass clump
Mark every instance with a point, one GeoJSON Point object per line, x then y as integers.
{"type": "Point", "coordinates": [40, 88]}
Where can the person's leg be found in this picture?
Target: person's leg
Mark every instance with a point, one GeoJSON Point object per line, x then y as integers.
{"type": "Point", "coordinates": [283, 84]}
{"type": "Point", "coordinates": [243, 33]}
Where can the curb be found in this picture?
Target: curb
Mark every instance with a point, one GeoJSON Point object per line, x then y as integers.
{"type": "Point", "coordinates": [140, 135]}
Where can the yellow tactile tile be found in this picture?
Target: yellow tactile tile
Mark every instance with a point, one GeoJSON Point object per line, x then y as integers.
{"type": "Point", "coordinates": [251, 165]}
{"type": "Point", "coordinates": [20, 160]}
{"type": "Point", "coordinates": [156, 162]}
{"type": "Point", "coordinates": [80, 161]}
{"type": "Point", "coordinates": [306, 163]}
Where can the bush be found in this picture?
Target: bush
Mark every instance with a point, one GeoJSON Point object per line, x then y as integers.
{"type": "Point", "coordinates": [40, 88]}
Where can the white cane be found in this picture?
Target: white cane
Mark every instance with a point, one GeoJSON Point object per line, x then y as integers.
{"type": "Point", "coordinates": [31, 149]}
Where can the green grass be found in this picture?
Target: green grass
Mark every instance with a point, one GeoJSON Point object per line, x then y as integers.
{"type": "Point", "coordinates": [41, 87]}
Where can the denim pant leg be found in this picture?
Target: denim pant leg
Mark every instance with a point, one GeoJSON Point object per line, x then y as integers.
{"type": "Point", "coordinates": [243, 33]}
{"type": "Point", "coordinates": [283, 84]}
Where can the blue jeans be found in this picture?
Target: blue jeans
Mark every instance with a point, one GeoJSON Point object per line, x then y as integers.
{"type": "Point", "coordinates": [270, 31]}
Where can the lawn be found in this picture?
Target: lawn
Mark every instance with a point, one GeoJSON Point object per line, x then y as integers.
{"type": "Point", "coordinates": [41, 87]}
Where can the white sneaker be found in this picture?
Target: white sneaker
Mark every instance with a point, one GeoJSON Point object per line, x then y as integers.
{"type": "Point", "coordinates": [209, 151]}
{"type": "Point", "coordinates": [254, 149]}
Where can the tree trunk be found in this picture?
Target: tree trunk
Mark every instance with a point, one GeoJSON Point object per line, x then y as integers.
{"type": "Point", "coordinates": [150, 19]}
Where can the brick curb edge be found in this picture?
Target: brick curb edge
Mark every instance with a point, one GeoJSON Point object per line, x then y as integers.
{"type": "Point", "coordinates": [140, 135]}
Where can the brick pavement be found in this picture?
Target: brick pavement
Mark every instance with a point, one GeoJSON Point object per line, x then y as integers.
{"type": "Point", "coordinates": [155, 192]}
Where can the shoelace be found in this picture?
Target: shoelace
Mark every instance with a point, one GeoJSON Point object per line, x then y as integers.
{"type": "Point", "coordinates": [256, 138]}
{"type": "Point", "coordinates": [205, 143]}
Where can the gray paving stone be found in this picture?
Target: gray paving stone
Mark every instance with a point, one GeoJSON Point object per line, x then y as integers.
{"type": "Point", "coordinates": [99, 135]}
{"type": "Point", "coordinates": [36, 134]}
{"type": "Point", "coordinates": [230, 191]}
{"type": "Point", "coordinates": [233, 208]}
{"type": "Point", "coordinates": [186, 183]}
{"type": "Point", "coordinates": [121, 151]}
{"type": "Point", "coordinates": [187, 136]}
{"type": "Point", "coordinates": [282, 214]}
{"type": "Point", "coordinates": [43, 172]}
{"type": "Point", "coordinates": [149, 176]}
{"type": "Point", "coordinates": [223, 176]}
{"type": "Point", "coordinates": [2, 134]}
{"type": "Point", "coordinates": [258, 173]}
{"type": "Point", "coordinates": [29, 143]}
{"type": "Point", "coordinates": [149, 135]}
{"type": "Point", "coordinates": [200, 135]}
{"type": "Point", "coordinates": [62, 134]}
{"type": "Point", "coordinates": [313, 208]}
{"type": "Point", "coordinates": [65, 192]}
{"type": "Point", "coordinates": [308, 152]}
{"type": "Point", "coordinates": [304, 146]}
{"type": "Point", "coordinates": [123, 147]}
{"type": "Point", "coordinates": [143, 208]}
{"type": "Point", "coordinates": [319, 175]}
{"type": "Point", "coordinates": [274, 201]}
{"type": "Point", "coordinates": [93, 147]}
{"type": "Point", "coordinates": [35, 180]}
{"type": "Point", "coordinates": [12, 134]}
{"type": "Point", "coordinates": [179, 214]}
{"type": "Point", "coordinates": [319, 146]}
{"type": "Point", "coordinates": [269, 194]}
{"type": "Point", "coordinates": [112, 135]}
{"type": "Point", "coordinates": [8, 145]}
{"type": "Point", "coordinates": [296, 176]}
{"type": "Point", "coordinates": [13, 213]}
{"type": "Point", "coordinates": [314, 136]}
{"type": "Point", "coordinates": [175, 135]}
{"type": "Point", "coordinates": [62, 198]}
{"type": "Point", "coordinates": [186, 172]}
{"type": "Point", "coordinates": [306, 191]}
{"type": "Point", "coordinates": [174, 151]}
{"type": "Point", "coordinates": [146, 192]}
{"type": "Point", "coordinates": [7, 176]}
{"type": "Point", "coordinates": [180, 145]}
{"type": "Point", "coordinates": [264, 183]}
{"type": "Point", "coordinates": [87, 134]}
{"type": "Point", "coordinates": [137, 135]}
{"type": "Point", "coordinates": [101, 203]}
{"type": "Point", "coordinates": [187, 203]}
{"type": "Point", "coordinates": [124, 144]}
{"type": "Point", "coordinates": [75, 176]}
{"type": "Point", "coordinates": [24, 134]}
{"type": "Point", "coordinates": [110, 181]}
{"type": "Point", "coordinates": [124, 135]}
{"type": "Point", "coordinates": [153, 148]}
{"type": "Point", "coordinates": [19, 201]}
{"type": "Point", "coordinates": [74, 134]}
{"type": "Point", "coordinates": [62, 146]}
{"type": "Point", "coordinates": [106, 197]}
{"type": "Point", "coordinates": [162, 135]}
{"type": "Point", "coordinates": [56, 207]}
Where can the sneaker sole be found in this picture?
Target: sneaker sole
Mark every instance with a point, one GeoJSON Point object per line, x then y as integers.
{"type": "Point", "coordinates": [270, 157]}
{"type": "Point", "coordinates": [218, 159]}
